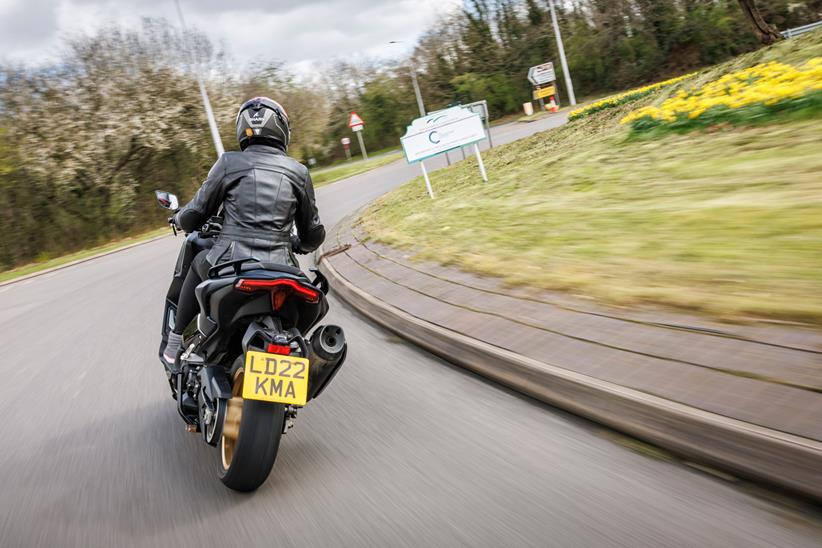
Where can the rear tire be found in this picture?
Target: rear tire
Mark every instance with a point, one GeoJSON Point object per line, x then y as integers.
{"type": "Point", "coordinates": [246, 462]}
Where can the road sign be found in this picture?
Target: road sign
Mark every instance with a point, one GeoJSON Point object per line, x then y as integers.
{"type": "Point", "coordinates": [440, 132]}
{"type": "Point", "coordinates": [541, 93]}
{"type": "Point", "coordinates": [542, 74]}
{"type": "Point", "coordinates": [346, 143]}
{"type": "Point", "coordinates": [357, 128]}
{"type": "Point", "coordinates": [354, 120]}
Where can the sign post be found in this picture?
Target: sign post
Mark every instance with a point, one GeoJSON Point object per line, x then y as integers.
{"type": "Point", "coordinates": [439, 132]}
{"type": "Point", "coordinates": [356, 124]}
{"type": "Point", "coordinates": [427, 180]}
{"type": "Point", "coordinates": [481, 108]}
{"type": "Point", "coordinates": [362, 144]}
{"type": "Point", "coordinates": [479, 161]}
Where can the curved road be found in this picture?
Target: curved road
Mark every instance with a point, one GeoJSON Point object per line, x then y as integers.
{"type": "Point", "coordinates": [402, 450]}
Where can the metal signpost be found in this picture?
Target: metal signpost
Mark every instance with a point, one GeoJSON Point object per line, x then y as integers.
{"type": "Point", "coordinates": [481, 108]}
{"type": "Point", "coordinates": [356, 124]}
{"type": "Point", "coordinates": [439, 132]}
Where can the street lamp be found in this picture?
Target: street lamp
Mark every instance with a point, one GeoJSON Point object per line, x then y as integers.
{"type": "Point", "coordinates": [561, 49]}
{"type": "Point", "coordinates": [413, 80]}
{"type": "Point", "coordinates": [212, 124]}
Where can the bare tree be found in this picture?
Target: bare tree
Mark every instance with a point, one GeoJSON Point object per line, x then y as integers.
{"type": "Point", "coordinates": [766, 33]}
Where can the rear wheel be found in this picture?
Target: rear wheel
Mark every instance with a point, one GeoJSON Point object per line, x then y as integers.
{"type": "Point", "coordinates": [251, 437]}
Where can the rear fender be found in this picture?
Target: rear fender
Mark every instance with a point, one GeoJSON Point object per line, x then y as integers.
{"type": "Point", "coordinates": [262, 331]}
{"type": "Point", "coordinates": [214, 380]}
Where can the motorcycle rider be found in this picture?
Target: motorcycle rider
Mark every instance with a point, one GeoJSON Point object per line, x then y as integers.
{"type": "Point", "coordinates": [263, 193]}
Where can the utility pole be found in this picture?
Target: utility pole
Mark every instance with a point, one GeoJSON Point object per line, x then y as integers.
{"type": "Point", "coordinates": [212, 123]}
{"type": "Point", "coordinates": [417, 88]}
{"type": "Point", "coordinates": [571, 97]}
{"type": "Point", "coordinates": [414, 81]}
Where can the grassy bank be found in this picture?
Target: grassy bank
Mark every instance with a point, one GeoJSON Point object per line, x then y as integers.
{"type": "Point", "coordinates": [726, 222]}
{"type": "Point", "coordinates": [47, 263]}
{"type": "Point", "coordinates": [326, 176]}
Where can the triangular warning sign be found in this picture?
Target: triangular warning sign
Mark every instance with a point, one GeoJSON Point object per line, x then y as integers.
{"type": "Point", "coordinates": [355, 120]}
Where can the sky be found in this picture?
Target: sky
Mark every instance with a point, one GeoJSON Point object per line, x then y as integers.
{"type": "Point", "coordinates": [297, 32]}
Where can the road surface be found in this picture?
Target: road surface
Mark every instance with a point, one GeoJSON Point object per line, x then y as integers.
{"type": "Point", "coordinates": [402, 450]}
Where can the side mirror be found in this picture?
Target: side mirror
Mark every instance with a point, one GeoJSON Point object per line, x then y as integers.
{"type": "Point", "coordinates": [166, 200]}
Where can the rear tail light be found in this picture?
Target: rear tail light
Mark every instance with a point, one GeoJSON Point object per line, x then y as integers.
{"type": "Point", "coordinates": [281, 349]}
{"type": "Point", "coordinates": [280, 289]}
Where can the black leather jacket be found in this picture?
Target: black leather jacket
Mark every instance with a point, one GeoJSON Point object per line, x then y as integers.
{"type": "Point", "coordinates": [263, 193]}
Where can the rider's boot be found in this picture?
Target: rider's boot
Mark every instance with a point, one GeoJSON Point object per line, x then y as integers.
{"type": "Point", "coordinates": [171, 352]}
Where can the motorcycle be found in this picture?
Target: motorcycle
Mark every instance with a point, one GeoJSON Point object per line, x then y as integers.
{"type": "Point", "coordinates": [248, 364]}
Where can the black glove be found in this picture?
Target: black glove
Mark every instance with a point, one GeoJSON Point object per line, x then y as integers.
{"type": "Point", "coordinates": [295, 245]}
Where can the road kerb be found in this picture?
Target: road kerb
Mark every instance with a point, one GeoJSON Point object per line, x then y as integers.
{"type": "Point", "coordinates": [776, 458]}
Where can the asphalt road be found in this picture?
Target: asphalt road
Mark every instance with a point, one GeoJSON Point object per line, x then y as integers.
{"type": "Point", "coordinates": [402, 450]}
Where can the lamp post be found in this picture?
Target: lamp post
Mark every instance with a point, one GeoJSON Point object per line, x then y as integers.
{"type": "Point", "coordinates": [212, 123]}
{"type": "Point", "coordinates": [568, 83]}
{"type": "Point", "coordinates": [414, 81]}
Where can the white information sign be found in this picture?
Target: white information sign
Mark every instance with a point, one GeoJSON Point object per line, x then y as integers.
{"type": "Point", "coordinates": [542, 74]}
{"type": "Point", "coordinates": [440, 132]}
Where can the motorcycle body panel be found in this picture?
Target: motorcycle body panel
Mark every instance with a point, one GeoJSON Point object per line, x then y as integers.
{"type": "Point", "coordinates": [193, 244]}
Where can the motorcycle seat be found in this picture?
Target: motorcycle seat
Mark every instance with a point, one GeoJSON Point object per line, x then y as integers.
{"type": "Point", "coordinates": [260, 268]}
{"type": "Point", "coordinates": [272, 267]}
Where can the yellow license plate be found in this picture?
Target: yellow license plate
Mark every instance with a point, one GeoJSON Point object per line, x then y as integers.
{"type": "Point", "coordinates": [275, 378]}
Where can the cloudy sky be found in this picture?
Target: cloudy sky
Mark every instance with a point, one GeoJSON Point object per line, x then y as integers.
{"type": "Point", "coordinates": [295, 31]}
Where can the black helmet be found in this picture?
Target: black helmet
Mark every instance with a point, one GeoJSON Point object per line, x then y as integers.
{"type": "Point", "coordinates": [264, 121]}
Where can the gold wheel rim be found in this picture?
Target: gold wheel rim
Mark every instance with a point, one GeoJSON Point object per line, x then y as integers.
{"type": "Point", "coordinates": [233, 417]}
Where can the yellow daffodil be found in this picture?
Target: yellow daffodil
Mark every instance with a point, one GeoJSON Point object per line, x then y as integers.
{"type": "Point", "coordinates": [767, 84]}
{"type": "Point", "coordinates": [625, 97]}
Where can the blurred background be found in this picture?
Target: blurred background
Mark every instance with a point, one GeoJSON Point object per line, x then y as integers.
{"type": "Point", "coordinates": [99, 100]}
{"type": "Point", "coordinates": [634, 294]}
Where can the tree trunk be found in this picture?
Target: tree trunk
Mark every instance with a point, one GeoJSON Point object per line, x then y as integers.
{"type": "Point", "coordinates": [766, 33]}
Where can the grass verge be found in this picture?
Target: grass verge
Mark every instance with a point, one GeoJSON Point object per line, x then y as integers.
{"type": "Point", "coordinates": [39, 266]}
{"type": "Point", "coordinates": [349, 169]}
{"type": "Point", "coordinates": [728, 223]}
{"type": "Point", "coordinates": [323, 177]}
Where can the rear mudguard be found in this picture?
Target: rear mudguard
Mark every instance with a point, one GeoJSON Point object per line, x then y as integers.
{"type": "Point", "coordinates": [214, 380]}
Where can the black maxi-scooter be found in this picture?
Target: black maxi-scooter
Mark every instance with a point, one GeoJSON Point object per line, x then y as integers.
{"type": "Point", "coordinates": [248, 363]}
